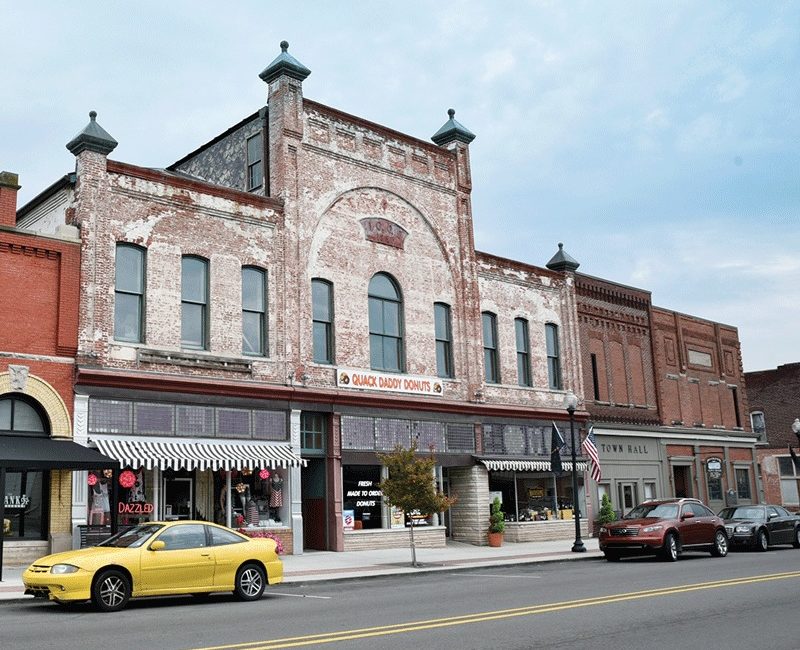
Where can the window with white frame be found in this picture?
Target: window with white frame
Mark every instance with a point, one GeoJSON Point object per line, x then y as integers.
{"type": "Point", "coordinates": [759, 425]}
{"type": "Point", "coordinates": [790, 481]}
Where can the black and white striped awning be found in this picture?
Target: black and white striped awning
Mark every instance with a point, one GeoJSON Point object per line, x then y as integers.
{"type": "Point", "coordinates": [517, 465]}
{"type": "Point", "coordinates": [195, 453]}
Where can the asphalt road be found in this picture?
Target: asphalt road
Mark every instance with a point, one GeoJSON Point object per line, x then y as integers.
{"type": "Point", "coordinates": [745, 600]}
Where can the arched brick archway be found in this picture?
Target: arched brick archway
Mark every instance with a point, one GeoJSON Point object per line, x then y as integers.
{"type": "Point", "coordinates": [50, 401]}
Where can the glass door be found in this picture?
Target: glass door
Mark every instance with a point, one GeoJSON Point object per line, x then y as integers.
{"type": "Point", "coordinates": [628, 496]}
{"type": "Point", "coordinates": [178, 498]}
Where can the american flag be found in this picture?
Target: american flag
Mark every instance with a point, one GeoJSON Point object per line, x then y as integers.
{"type": "Point", "coordinates": [590, 449]}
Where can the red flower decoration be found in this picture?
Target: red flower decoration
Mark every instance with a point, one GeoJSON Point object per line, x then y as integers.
{"type": "Point", "coordinates": [92, 480]}
{"type": "Point", "coordinates": [127, 479]}
{"type": "Point", "coordinates": [263, 474]}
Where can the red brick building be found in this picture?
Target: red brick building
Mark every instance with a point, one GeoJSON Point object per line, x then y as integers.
{"type": "Point", "coordinates": [774, 404]}
{"type": "Point", "coordinates": [665, 394]}
{"type": "Point", "coordinates": [39, 293]}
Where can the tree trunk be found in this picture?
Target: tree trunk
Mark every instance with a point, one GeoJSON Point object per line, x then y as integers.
{"type": "Point", "coordinates": [413, 546]}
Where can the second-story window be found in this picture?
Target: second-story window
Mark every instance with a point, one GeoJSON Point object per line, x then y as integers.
{"type": "Point", "coordinates": [444, 339]}
{"type": "Point", "coordinates": [385, 324]}
{"type": "Point", "coordinates": [759, 424]}
{"type": "Point", "coordinates": [523, 352]}
{"type": "Point", "coordinates": [129, 293]}
{"type": "Point", "coordinates": [255, 165]}
{"type": "Point", "coordinates": [254, 311]}
{"type": "Point", "coordinates": [322, 320]}
{"type": "Point", "coordinates": [194, 303]}
{"type": "Point", "coordinates": [553, 356]}
{"type": "Point", "coordinates": [491, 359]}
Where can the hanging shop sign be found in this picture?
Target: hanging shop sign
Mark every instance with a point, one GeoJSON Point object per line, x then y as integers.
{"type": "Point", "coordinates": [714, 467]}
{"type": "Point", "coordinates": [385, 382]}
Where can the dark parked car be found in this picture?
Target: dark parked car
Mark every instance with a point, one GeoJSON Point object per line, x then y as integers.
{"type": "Point", "coordinates": [665, 527]}
{"type": "Point", "coordinates": [760, 527]}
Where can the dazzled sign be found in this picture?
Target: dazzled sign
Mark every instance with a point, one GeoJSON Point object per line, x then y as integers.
{"type": "Point", "coordinates": [369, 380]}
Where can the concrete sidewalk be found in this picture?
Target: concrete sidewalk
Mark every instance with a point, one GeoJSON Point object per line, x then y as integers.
{"type": "Point", "coordinates": [328, 565]}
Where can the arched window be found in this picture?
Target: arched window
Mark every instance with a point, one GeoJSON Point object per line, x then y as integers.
{"type": "Point", "coordinates": [385, 324]}
{"type": "Point", "coordinates": [21, 416]}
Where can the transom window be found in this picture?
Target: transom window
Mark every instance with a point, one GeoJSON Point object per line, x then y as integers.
{"type": "Point", "coordinates": [444, 339]}
{"type": "Point", "coordinates": [129, 293]}
{"type": "Point", "coordinates": [254, 311]}
{"type": "Point", "coordinates": [491, 360]}
{"type": "Point", "coordinates": [322, 320]}
{"type": "Point", "coordinates": [20, 417]}
{"type": "Point", "coordinates": [313, 427]}
{"type": "Point", "coordinates": [385, 324]}
{"type": "Point", "coordinates": [523, 352]}
{"type": "Point", "coordinates": [194, 303]}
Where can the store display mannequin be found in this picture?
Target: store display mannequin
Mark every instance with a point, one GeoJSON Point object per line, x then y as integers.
{"type": "Point", "coordinates": [275, 496]}
{"type": "Point", "coordinates": [100, 512]}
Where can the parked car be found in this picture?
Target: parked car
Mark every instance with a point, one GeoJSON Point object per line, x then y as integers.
{"type": "Point", "coordinates": [158, 559]}
{"type": "Point", "coordinates": [665, 527]}
{"type": "Point", "coordinates": [761, 526]}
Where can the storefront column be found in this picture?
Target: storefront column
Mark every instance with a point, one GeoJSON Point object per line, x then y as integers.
{"type": "Point", "coordinates": [80, 479]}
{"type": "Point", "coordinates": [294, 486]}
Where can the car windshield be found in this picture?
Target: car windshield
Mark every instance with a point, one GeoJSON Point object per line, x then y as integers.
{"type": "Point", "coordinates": [742, 513]}
{"type": "Point", "coordinates": [133, 537]}
{"type": "Point", "coordinates": [654, 510]}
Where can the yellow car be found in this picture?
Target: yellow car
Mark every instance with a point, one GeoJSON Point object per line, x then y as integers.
{"type": "Point", "coordinates": [158, 559]}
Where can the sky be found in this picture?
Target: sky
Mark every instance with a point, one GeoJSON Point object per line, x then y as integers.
{"type": "Point", "coordinates": [659, 141]}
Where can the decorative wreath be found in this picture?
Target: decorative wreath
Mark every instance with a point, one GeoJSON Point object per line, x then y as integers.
{"type": "Point", "coordinates": [127, 479]}
{"type": "Point", "coordinates": [92, 479]}
{"type": "Point", "coordinates": [263, 474]}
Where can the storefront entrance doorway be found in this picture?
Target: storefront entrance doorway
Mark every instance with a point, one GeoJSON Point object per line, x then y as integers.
{"type": "Point", "coordinates": [682, 480]}
{"type": "Point", "coordinates": [313, 505]}
{"type": "Point", "coordinates": [178, 491]}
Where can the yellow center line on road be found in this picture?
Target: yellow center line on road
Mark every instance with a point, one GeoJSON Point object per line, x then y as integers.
{"type": "Point", "coordinates": [415, 626]}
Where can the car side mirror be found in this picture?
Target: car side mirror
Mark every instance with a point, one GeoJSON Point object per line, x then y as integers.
{"type": "Point", "coordinates": [772, 515]}
{"type": "Point", "coordinates": [158, 545]}
{"type": "Point", "coordinates": [688, 515]}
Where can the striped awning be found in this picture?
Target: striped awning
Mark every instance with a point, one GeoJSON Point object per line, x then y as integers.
{"type": "Point", "coordinates": [517, 465]}
{"type": "Point", "coordinates": [195, 453]}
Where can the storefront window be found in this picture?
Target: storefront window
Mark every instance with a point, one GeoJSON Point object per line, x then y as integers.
{"type": "Point", "coordinates": [256, 497]}
{"type": "Point", "coordinates": [25, 506]}
{"type": "Point", "coordinates": [363, 499]}
{"type": "Point", "coordinates": [743, 483]}
{"type": "Point", "coordinates": [533, 497]}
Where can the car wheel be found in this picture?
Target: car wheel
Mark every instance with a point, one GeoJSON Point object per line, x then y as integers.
{"type": "Point", "coordinates": [611, 556]}
{"type": "Point", "coordinates": [670, 549]}
{"type": "Point", "coordinates": [796, 542]}
{"type": "Point", "coordinates": [250, 582]}
{"type": "Point", "coordinates": [720, 548]}
{"type": "Point", "coordinates": [111, 591]}
{"type": "Point", "coordinates": [762, 542]}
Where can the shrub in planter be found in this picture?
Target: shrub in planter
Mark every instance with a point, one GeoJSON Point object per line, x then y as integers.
{"type": "Point", "coordinates": [606, 514]}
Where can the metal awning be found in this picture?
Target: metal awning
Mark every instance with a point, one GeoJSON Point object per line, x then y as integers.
{"type": "Point", "coordinates": [195, 453]}
{"type": "Point", "coordinates": [518, 465]}
{"type": "Point", "coordinates": [41, 453]}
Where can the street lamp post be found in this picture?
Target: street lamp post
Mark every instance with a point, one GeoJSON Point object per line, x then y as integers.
{"type": "Point", "coordinates": [571, 403]}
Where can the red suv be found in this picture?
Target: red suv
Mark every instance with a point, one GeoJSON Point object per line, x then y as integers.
{"type": "Point", "coordinates": [665, 527]}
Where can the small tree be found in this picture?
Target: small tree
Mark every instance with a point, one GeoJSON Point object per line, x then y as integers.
{"type": "Point", "coordinates": [410, 485]}
{"type": "Point", "coordinates": [606, 514]}
{"type": "Point", "coordinates": [497, 521]}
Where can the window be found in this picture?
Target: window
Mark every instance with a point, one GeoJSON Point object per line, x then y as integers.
{"type": "Point", "coordinates": [322, 317]}
{"type": "Point", "coordinates": [595, 378]}
{"type": "Point", "coordinates": [523, 352]}
{"type": "Point", "coordinates": [194, 303]}
{"type": "Point", "coordinates": [385, 324]}
{"type": "Point", "coordinates": [735, 396]}
{"type": "Point", "coordinates": [20, 417]}
{"type": "Point", "coordinates": [444, 339]}
{"type": "Point", "coordinates": [254, 311]}
{"type": "Point", "coordinates": [742, 483]}
{"type": "Point", "coordinates": [790, 481]}
{"type": "Point", "coordinates": [221, 537]}
{"type": "Point", "coordinates": [491, 361]}
{"type": "Point", "coordinates": [313, 427]}
{"type": "Point", "coordinates": [759, 425]}
{"type": "Point", "coordinates": [184, 536]}
{"type": "Point", "coordinates": [255, 168]}
{"type": "Point", "coordinates": [553, 362]}
{"type": "Point", "coordinates": [129, 294]}
{"type": "Point", "coordinates": [649, 491]}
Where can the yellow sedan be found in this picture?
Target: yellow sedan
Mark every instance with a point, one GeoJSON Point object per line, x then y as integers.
{"type": "Point", "coordinates": [158, 559]}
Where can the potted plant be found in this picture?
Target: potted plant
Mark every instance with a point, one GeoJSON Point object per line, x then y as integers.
{"type": "Point", "coordinates": [606, 514]}
{"type": "Point", "coordinates": [497, 524]}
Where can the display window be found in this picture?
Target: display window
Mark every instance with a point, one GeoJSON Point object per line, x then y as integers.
{"type": "Point", "coordinates": [362, 499]}
{"type": "Point", "coordinates": [25, 505]}
{"type": "Point", "coordinates": [256, 497]}
{"type": "Point", "coordinates": [533, 497]}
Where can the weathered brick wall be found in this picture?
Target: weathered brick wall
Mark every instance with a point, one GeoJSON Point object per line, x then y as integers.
{"type": "Point", "coordinates": [776, 393]}
{"type": "Point", "coordinates": [699, 369]}
{"type": "Point", "coordinates": [770, 475]}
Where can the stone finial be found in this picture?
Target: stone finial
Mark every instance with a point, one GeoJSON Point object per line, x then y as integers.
{"type": "Point", "coordinates": [452, 131]}
{"type": "Point", "coordinates": [92, 138]}
{"type": "Point", "coordinates": [284, 64]}
{"type": "Point", "coordinates": [562, 261]}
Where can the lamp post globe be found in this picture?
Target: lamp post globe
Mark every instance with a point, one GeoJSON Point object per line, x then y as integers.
{"type": "Point", "coordinates": [796, 426]}
{"type": "Point", "coordinates": [571, 404]}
